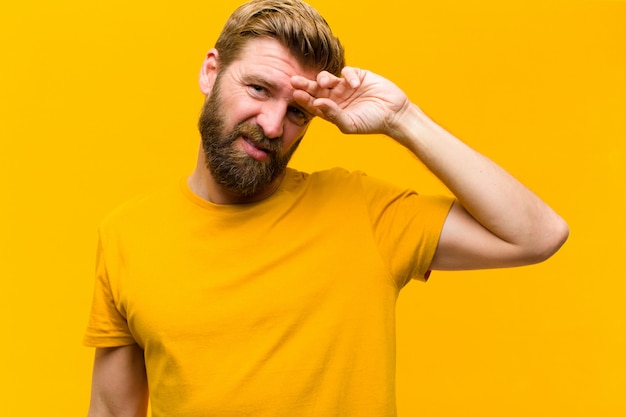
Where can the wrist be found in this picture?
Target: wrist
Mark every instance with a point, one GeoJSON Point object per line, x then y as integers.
{"type": "Point", "coordinates": [410, 126]}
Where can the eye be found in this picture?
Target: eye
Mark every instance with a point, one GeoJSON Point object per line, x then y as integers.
{"type": "Point", "coordinates": [298, 116]}
{"type": "Point", "coordinates": [257, 89]}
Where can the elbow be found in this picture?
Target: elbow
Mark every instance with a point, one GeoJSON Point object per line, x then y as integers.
{"type": "Point", "coordinates": [559, 235]}
{"type": "Point", "coordinates": [549, 241]}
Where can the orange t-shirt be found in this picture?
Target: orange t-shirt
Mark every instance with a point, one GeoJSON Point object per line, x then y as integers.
{"type": "Point", "coordinates": [285, 307]}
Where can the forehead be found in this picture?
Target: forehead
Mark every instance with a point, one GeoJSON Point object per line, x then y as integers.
{"type": "Point", "coordinates": [270, 57]}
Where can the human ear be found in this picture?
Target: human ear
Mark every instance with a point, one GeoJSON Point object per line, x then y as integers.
{"type": "Point", "coordinates": [208, 72]}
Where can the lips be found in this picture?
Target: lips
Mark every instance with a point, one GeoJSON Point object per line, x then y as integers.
{"type": "Point", "coordinates": [254, 149]}
{"type": "Point", "coordinates": [257, 145]}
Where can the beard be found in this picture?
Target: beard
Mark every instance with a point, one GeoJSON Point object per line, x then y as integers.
{"type": "Point", "coordinates": [231, 167]}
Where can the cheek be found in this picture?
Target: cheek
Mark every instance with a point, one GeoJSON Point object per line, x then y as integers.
{"type": "Point", "coordinates": [292, 134]}
{"type": "Point", "coordinates": [240, 108]}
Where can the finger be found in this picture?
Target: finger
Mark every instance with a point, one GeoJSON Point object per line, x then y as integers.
{"type": "Point", "coordinates": [327, 80]}
{"type": "Point", "coordinates": [307, 102]}
{"type": "Point", "coordinates": [330, 111]}
{"type": "Point", "coordinates": [326, 109]}
{"type": "Point", "coordinates": [320, 87]}
{"type": "Point", "coordinates": [321, 107]}
{"type": "Point", "coordinates": [301, 83]}
{"type": "Point", "coordinates": [352, 76]}
{"type": "Point", "coordinates": [311, 87]}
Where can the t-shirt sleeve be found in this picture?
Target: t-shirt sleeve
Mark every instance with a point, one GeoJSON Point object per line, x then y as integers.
{"type": "Point", "coordinates": [107, 326]}
{"type": "Point", "coordinates": [406, 227]}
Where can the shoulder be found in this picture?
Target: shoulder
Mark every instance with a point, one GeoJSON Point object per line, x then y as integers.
{"type": "Point", "coordinates": [146, 206]}
{"type": "Point", "coordinates": [343, 183]}
{"type": "Point", "coordinates": [379, 195]}
{"type": "Point", "coordinates": [333, 177]}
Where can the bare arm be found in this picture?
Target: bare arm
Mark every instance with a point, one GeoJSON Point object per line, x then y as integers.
{"type": "Point", "coordinates": [496, 221]}
{"type": "Point", "coordinates": [119, 385]}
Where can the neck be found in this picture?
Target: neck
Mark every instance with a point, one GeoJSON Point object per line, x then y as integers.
{"type": "Point", "coordinates": [202, 183]}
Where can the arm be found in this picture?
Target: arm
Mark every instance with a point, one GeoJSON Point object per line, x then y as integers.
{"type": "Point", "coordinates": [119, 385]}
{"type": "Point", "coordinates": [496, 221]}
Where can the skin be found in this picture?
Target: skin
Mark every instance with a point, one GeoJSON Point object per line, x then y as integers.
{"type": "Point", "coordinates": [495, 221]}
{"type": "Point", "coordinates": [119, 383]}
{"type": "Point", "coordinates": [259, 92]}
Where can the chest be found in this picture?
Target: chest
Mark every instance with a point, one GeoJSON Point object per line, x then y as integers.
{"type": "Point", "coordinates": [210, 284]}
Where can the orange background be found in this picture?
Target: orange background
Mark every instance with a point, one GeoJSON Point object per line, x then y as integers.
{"type": "Point", "coordinates": [99, 101]}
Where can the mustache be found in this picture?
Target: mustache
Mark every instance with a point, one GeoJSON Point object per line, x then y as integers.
{"type": "Point", "coordinates": [255, 134]}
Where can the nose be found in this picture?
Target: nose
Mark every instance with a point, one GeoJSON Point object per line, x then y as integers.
{"type": "Point", "coordinates": [271, 118]}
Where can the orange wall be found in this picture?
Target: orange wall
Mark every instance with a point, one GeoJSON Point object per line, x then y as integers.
{"type": "Point", "coordinates": [99, 100]}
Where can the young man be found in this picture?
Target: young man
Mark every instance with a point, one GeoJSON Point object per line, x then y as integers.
{"type": "Point", "coordinates": [256, 290]}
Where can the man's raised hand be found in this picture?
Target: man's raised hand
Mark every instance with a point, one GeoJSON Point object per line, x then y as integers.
{"type": "Point", "coordinates": [358, 102]}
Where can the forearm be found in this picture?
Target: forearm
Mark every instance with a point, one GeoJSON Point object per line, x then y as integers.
{"type": "Point", "coordinates": [499, 202]}
{"type": "Point", "coordinates": [501, 222]}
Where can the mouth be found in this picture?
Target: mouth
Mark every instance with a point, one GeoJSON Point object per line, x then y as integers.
{"type": "Point", "coordinates": [256, 145]}
{"type": "Point", "coordinates": [254, 149]}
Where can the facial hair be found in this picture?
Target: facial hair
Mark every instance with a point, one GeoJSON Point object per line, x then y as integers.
{"type": "Point", "coordinates": [231, 167]}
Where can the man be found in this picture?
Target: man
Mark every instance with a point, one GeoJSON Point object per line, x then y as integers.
{"type": "Point", "coordinates": [256, 290]}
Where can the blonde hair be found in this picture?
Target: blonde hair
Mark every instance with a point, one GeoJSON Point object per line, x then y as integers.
{"type": "Point", "coordinates": [295, 24]}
